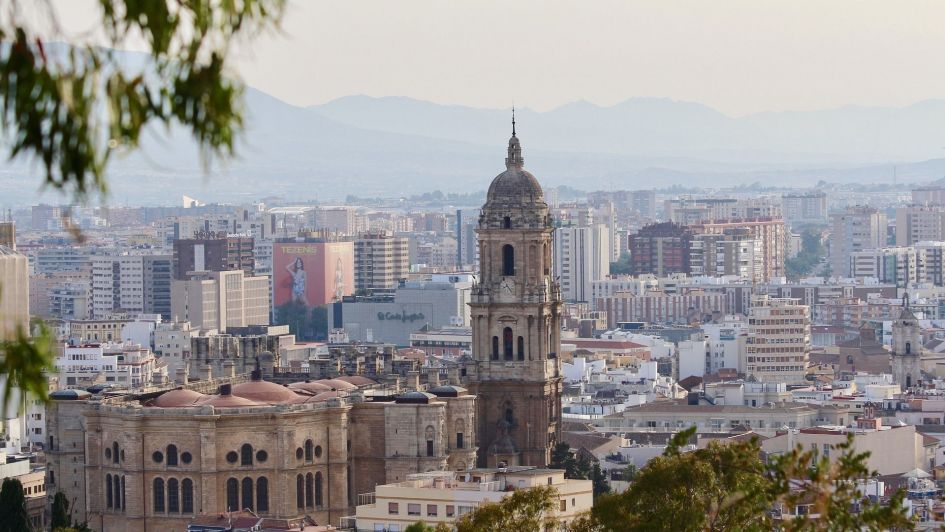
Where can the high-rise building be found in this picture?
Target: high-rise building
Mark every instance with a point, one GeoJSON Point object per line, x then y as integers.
{"type": "Point", "coordinates": [769, 231]}
{"type": "Point", "coordinates": [131, 284]}
{"type": "Point", "coordinates": [929, 195]}
{"type": "Point", "coordinates": [516, 312]}
{"type": "Point", "coordinates": [14, 293]}
{"type": "Point", "coordinates": [660, 249]}
{"type": "Point", "coordinates": [340, 220]}
{"type": "Point", "coordinates": [381, 261]}
{"type": "Point", "coordinates": [218, 300]}
{"type": "Point", "coordinates": [581, 256]}
{"type": "Point", "coordinates": [917, 223]}
{"type": "Point", "coordinates": [778, 343]}
{"type": "Point", "coordinates": [643, 202]}
{"type": "Point", "coordinates": [804, 207]}
{"type": "Point", "coordinates": [856, 229]}
{"type": "Point", "coordinates": [213, 252]}
{"type": "Point", "coordinates": [734, 252]}
{"type": "Point", "coordinates": [46, 218]}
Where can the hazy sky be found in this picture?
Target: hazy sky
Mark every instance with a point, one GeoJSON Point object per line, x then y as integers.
{"type": "Point", "coordinates": [739, 56]}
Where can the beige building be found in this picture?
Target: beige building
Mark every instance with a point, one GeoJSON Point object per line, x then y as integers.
{"type": "Point", "coordinates": [444, 496]}
{"type": "Point", "coordinates": [778, 344]}
{"type": "Point", "coordinates": [217, 300]}
{"type": "Point", "coordinates": [155, 461]}
{"type": "Point", "coordinates": [769, 231]}
{"type": "Point", "coordinates": [380, 261]}
{"type": "Point", "coordinates": [856, 229]}
{"type": "Point", "coordinates": [918, 223]}
{"type": "Point", "coordinates": [14, 293]}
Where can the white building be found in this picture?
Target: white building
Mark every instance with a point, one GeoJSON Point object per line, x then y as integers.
{"type": "Point", "coordinates": [217, 300]}
{"type": "Point", "coordinates": [778, 343]}
{"type": "Point", "coordinates": [581, 255]}
{"type": "Point", "coordinates": [132, 284]}
{"type": "Point", "coordinates": [124, 364]}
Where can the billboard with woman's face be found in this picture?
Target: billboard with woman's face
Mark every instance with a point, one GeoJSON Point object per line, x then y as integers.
{"type": "Point", "coordinates": [312, 273]}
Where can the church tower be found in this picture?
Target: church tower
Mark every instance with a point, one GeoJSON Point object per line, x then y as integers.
{"type": "Point", "coordinates": [516, 312]}
{"type": "Point", "coordinates": [906, 348]}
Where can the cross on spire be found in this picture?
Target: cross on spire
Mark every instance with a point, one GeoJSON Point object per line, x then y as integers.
{"type": "Point", "coordinates": [513, 120]}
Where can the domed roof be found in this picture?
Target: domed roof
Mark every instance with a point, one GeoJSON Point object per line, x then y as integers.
{"type": "Point", "coordinates": [265, 392]}
{"type": "Point", "coordinates": [228, 401]}
{"type": "Point", "coordinates": [338, 384]}
{"type": "Point", "coordinates": [515, 185]}
{"type": "Point", "coordinates": [324, 396]}
{"type": "Point", "coordinates": [357, 380]}
{"type": "Point", "coordinates": [179, 398]}
{"type": "Point", "coordinates": [310, 387]}
{"type": "Point", "coordinates": [447, 390]}
{"type": "Point", "coordinates": [69, 395]}
{"type": "Point", "coordinates": [414, 397]}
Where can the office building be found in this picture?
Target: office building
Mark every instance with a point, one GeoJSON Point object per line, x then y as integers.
{"type": "Point", "coordinates": [581, 256]}
{"type": "Point", "coordinates": [220, 300]}
{"type": "Point", "coordinates": [131, 284]}
{"type": "Point", "coordinates": [213, 253]}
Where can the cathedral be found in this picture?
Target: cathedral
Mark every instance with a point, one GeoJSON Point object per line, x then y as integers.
{"type": "Point", "coordinates": [515, 318]}
{"type": "Point", "coordinates": [906, 348]}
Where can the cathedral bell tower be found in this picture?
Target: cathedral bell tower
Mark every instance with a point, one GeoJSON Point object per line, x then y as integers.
{"type": "Point", "coordinates": [515, 312]}
{"type": "Point", "coordinates": [906, 348]}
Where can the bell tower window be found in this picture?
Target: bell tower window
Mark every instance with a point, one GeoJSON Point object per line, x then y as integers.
{"type": "Point", "coordinates": [495, 348]}
{"type": "Point", "coordinates": [908, 348]}
{"type": "Point", "coordinates": [521, 348]}
{"type": "Point", "coordinates": [508, 260]}
{"type": "Point", "coordinates": [507, 222]}
{"type": "Point", "coordinates": [507, 342]}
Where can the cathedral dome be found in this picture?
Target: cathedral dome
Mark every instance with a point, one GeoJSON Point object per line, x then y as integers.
{"type": "Point", "coordinates": [515, 186]}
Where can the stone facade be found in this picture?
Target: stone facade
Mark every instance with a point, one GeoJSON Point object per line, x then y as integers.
{"type": "Point", "coordinates": [906, 349]}
{"type": "Point", "coordinates": [515, 310]}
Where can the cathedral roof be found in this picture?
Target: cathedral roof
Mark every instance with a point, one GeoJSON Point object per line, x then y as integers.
{"type": "Point", "coordinates": [515, 185]}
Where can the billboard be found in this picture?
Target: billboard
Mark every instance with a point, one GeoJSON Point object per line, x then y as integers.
{"type": "Point", "coordinates": [312, 273]}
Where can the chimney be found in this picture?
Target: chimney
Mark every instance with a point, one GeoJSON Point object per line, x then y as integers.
{"type": "Point", "coordinates": [433, 377]}
{"type": "Point", "coordinates": [205, 372]}
{"type": "Point", "coordinates": [229, 369]}
{"type": "Point", "coordinates": [454, 376]}
{"type": "Point", "coordinates": [413, 380]}
{"type": "Point", "coordinates": [180, 376]}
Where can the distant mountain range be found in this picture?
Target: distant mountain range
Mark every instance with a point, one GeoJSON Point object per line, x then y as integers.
{"type": "Point", "coordinates": [398, 146]}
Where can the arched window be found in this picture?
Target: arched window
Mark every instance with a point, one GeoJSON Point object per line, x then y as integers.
{"type": "Point", "coordinates": [247, 498]}
{"type": "Point", "coordinates": [119, 496]}
{"type": "Point", "coordinates": [521, 348]}
{"type": "Point", "coordinates": [246, 455]}
{"type": "Point", "coordinates": [908, 348]}
{"type": "Point", "coordinates": [232, 495]}
{"type": "Point", "coordinates": [308, 450]}
{"type": "Point", "coordinates": [318, 489]}
{"type": "Point", "coordinates": [508, 416]}
{"type": "Point", "coordinates": [115, 452]}
{"type": "Point", "coordinates": [108, 491]}
{"type": "Point", "coordinates": [507, 222]}
{"type": "Point", "coordinates": [172, 455]}
{"type": "Point", "coordinates": [124, 499]}
{"type": "Point", "coordinates": [300, 491]}
{"type": "Point", "coordinates": [262, 494]}
{"type": "Point", "coordinates": [508, 260]}
{"type": "Point", "coordinates": [309, 491]}
{"type": "Point", "coordinates": [507, 343]}
{"type": "Point", "coordinates": [460, 431]}
{"type": "Point", "coordinates": [159, 495]}
{"type": "Point", "coordinates": [173, 496]}
{"type": "Point", "coordinates": [495, 348]}
{"type": "Point", "coordinates": [187, 496]}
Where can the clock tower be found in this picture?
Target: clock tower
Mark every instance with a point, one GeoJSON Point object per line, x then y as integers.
{"type": "Point", "coordinates": [515, 313]}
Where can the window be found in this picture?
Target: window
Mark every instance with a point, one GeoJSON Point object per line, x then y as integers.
{"type": "Point", "coordinates": [156, 456]}
{"type": "Point", "coordinates": [173, 496]}
{"type": "Point", "coordinates": [431, 510]}
{"type": "Point", "coordinates": [393, 508]}
{"type": "Point", "coordinates": [262, 494]}
{"type": "Point", "coordinates": [185, 457]}
{"type": "Point", "coordinates": [429, 447]}
{"type": "Point", "coordinates": [298, 453]}
{"type": "Point", "coordinates": [318, 451]}
{"type": "Point", "coordinates": [187, 496]}
{"type": "Point", "coordinates": [459, 440]}
{"type": "Point", "coordinates": [564, 505]}
{"type": "Point", "coordinates": [507, 222]}
{"type": "Point", "coordinates": [115, 452]}
{"type": "Point", "coordinates": [232, 457]}
{"type": "Point", "coordinates": [521, 348]}
{"type": "Point", "coordinates": [108, 491]}
{"type": "Point", "coordinates": [495, 348]}
{"type": "Point", "coordinates": [119, 493]}
{"type": "Point", "coordinates": [172, 455]}
{"type": "Point", "coordinates": [309, 490]}
{"type": "Point", "coordinates": [262, 456]}
{"type": "Point", "coordinates": [308, 450]}
{"type": "Point", "coordinates": [318, 490]}
{"type": "Point", "coordinates": [413, 509]}
{"type": "Point", "coordinates": [450, 510]}
{"type": "Point", "coordinates": [247, 493]}
{"type": "Point", "coordinates": [232, 495]}
{"type": "Point", "coordinates": [507, 342]}
{"type": "Point", "coordinates": [159, 495]}
{"type": "Point", "coordinates": [246, 456]}
{"type": "Point", "coordinates": [300, 491]}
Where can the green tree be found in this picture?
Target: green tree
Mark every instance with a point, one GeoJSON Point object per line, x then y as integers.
{"type": "Point", "coordinates": [60, 512]}
{"type": "Point", "coordinates": [527, 509]}
{"type": "Point", "coordinates": [420, 526]}
{"type": "Point", "coordinates": [320, 322]}
{"type": "Point", "coordinates": [630, 472]}
{"type": "Point", "coordinates": [599, 478]}
{"type": "Point", "coordinates": [622, 265]}
{"type": "Point", "coordinates": [13, 516]}
{"type": "Point", "coordinates": [72, 109]}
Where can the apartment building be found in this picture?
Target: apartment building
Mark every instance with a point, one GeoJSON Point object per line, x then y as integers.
{"type": "Point", "coordinates": [581, 256]}
{"type": "Point", "coordinates": [854, 230]}
{"type": "Point", "coordinates": [381, 261]}
{"type": "Point", "coordinates": [218, 300]}
{"type": "Point", "coordinates": [131, 284]}
{"type": "Point", "coordinates": [917, 223]}
{"type": "Point", "coordinates": [778, 340]}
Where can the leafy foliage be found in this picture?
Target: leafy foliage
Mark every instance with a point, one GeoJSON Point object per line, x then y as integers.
{"type": "Point", "coordinates": [420, 526]}
{"type": "Point", "coordinates": [812, 252]}
{"type": "Point", "coordinates": [622, 266]}
{"type": "Point", "coordinates": [73, 110]}
{"type": "Point", "coordinates": [25, 362]}
{"type": "Point", "coordinates": [305, 323]}
{"type": "Point", "coordinates": [528, 509]}
{"type": "Point", "coordinates": [60, 512]}
{"type": "Point", "coordinates": [13, 516]}
{"type": "Point", "coordinates": [726, 486]}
